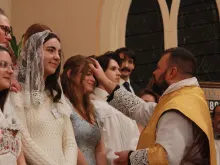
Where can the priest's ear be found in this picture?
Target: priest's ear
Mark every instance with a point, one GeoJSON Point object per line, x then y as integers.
{"type": "Point", "coordinates": [172, 73]}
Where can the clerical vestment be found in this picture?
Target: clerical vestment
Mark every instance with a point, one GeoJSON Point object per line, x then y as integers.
{"type": "Point", "coordinates": [189, 101]}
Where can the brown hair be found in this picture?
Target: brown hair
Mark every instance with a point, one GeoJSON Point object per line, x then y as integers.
{"type": "Point", "coordinates": [35, 28]}
{"type": "Point", "coordinates": [2, 12]}
{"type": "Point", "coordinates": [184, 59]}
{"type": "Point", "coordinates": [3, 93]}
{"type": "Point", "coordinates": [147, 91]}
{"type": "Point", "coordinates": [73, 91]}
{"type": "Point", "coordinates": [51, 82]}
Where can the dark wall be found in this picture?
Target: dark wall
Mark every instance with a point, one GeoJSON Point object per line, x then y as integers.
{"type": "Point", "coordinates": [199, 31]}
{"type": "Point", "coordinates": [144, 34]}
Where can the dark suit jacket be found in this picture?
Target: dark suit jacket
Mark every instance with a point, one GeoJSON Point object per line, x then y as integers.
{"type": "Point", "coordinates": [136, 87]}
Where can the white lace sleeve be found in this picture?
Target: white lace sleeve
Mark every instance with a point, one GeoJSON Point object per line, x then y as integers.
{"type": "Point", "coordinates": [139, 157]}
{"type": "Point", "coordinates": [132, 106]}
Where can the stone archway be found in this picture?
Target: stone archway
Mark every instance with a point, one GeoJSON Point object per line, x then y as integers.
{"type": "Point", "coordinates": [111, 24]}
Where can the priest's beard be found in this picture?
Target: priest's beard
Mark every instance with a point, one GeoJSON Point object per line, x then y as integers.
{"type": "Point", "coordinates": [160, 85]}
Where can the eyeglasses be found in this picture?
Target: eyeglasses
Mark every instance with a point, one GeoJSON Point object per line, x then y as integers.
{"type": "Point", "coordinates": [6, 29]}
{"type": "Point", "coordinates": [5, 65]}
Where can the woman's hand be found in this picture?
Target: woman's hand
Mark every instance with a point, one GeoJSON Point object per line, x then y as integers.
{"type": "Point", "coordinates": [15, 86]}
{"type": "Point", "coordinates": [100, 155]}
{"type": "Point", "coordinates": [21, 159]}
{"type": "Point", "coordinates": [81, 160]}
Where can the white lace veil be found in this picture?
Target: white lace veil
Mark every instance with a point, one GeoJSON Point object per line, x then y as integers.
{"type": "Point", "coordinates": [31, 69]}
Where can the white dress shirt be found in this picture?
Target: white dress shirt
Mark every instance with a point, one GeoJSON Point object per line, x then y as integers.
{"type": "Point", "coordinates": [101, 94]}
{"type": "Point", "coordinates": [120, 132]}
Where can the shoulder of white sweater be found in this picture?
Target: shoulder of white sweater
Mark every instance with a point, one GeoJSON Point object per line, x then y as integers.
{"type": "Point", "coordinates": [15, 99]}
{"type": "Point", "coordinates": [65, 106]}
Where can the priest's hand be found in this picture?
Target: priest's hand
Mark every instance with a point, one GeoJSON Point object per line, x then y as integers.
{"type": "Point", "coordinates": [101, 77]}
{"type": "Point", "coordinates": [97, 71]}
{"type": "Point", "coordinates": [122, 159]}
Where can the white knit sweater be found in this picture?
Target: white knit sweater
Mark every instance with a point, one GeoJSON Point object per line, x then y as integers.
{"type": "Point", "coordinates": [47, 137]}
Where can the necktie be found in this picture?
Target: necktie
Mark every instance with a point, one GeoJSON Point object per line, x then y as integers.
{"type": "Point", "coordinates": [127, 86]}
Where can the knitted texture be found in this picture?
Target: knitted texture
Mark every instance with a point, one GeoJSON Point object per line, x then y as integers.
{"type": "Point", "coordinates": [47, 133]}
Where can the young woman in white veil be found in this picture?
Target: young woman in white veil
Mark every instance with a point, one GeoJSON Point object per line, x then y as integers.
{"type": "Point", "coordinates": [47, 133]}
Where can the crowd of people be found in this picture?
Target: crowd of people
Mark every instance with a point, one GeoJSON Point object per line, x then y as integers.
{"type": "Point", "coordinates": [92, 113]}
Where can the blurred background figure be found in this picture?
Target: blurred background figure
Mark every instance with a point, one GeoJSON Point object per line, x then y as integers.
{"type": "Point", "coordinates": [5, 29]}
{"type": "Point", "coordinates": [149, 95]}
{"type": "Point", "coordinates": [216, 130]}
{"type": "Point", "coordinates": [5, 33]}
{"type": "Point", "coordinates": [216, 122]}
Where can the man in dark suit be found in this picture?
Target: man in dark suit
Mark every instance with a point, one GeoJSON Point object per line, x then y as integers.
{"type": "Point", "coordinates": [128, 64]}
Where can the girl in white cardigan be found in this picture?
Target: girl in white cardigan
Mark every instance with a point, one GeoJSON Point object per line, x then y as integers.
{"type": "Point", "coordinates": [47, 133]}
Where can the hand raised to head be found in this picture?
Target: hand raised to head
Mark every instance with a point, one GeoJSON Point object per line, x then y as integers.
{"type": "Point", "coordinates": [101, 77]}
{"type": "Point", "coordinates": [97, 70]}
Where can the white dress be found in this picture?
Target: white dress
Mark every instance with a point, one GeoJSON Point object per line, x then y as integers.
{"type": "Point", "coordinates": [10, 139]}
{"type": "Point", "coordinates": [47, 132]}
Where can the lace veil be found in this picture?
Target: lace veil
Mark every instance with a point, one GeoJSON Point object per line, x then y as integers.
{"type": "Point", "coordinates": [31, 69]}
